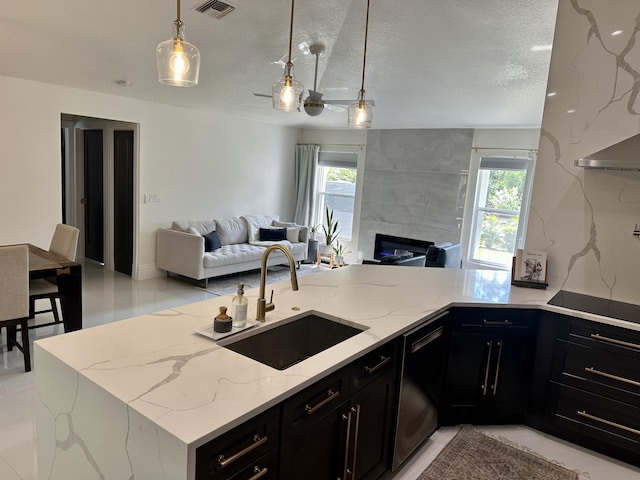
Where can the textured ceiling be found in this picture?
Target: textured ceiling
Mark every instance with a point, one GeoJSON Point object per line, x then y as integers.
{"type": "Point", "coordinates": [430, 63]}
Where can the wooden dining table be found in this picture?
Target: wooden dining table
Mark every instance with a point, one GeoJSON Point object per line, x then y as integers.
{"type": "Point", "coordinates": [68, 275]}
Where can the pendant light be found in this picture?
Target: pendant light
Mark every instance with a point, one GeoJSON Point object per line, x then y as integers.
{"type": "Point", "coordinates": [178, 61]}
{"type": "Point", "coordinates": [287, 92]}
{"type": "Point", "coordinates": [361, 112]}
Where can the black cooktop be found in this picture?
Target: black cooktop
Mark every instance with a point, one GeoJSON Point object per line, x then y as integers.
{"type": "Point", "coordinates": [597, 305]}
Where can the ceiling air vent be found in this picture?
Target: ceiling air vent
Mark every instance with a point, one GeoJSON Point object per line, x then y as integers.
{"type": "Point", "coordinates": [215, 9]}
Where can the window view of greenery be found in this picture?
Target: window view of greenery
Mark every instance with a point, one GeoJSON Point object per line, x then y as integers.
{"type": "Point", "coordinates": [498, 214]}
{"type": "Point", "coordinates": [337, 191]}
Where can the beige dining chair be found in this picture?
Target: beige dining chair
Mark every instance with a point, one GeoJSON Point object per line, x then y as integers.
{"type": "Point", "coordinates": [64, 242]}
{"type": "Point", "coordinates": [14, 298]}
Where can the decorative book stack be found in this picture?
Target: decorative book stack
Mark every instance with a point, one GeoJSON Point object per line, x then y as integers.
{"type": "Point", "coordinates": [529, 268]}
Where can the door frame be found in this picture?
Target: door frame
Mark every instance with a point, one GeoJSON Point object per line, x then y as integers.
{"type": "Point", "coordinates": [75, 181]}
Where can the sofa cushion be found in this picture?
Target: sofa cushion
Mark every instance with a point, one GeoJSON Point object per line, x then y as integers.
{"type": "Point", "coordinates": [293, 234]}
{"type": "Point", "coordinates": [278, 223]}
{"type": "Point", "coordinates": [233, 254]}
{"type": "Point", "coordinates": [271, 234]}
{"type": "Point", "coordinates": [201, 226]}
{"type": "Point", "coordinates": [211, 241]}
{"type": "Point", "coordinates": [255, 222]}
{"type": "Point", "coordinates": [232, 230]}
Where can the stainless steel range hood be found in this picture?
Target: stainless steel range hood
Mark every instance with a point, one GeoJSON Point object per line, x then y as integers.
{"type": "Point", "coordinates": [624, 155]}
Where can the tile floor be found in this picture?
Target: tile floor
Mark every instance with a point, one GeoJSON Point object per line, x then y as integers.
{"type": "Point", "coordinates": [108, 297]}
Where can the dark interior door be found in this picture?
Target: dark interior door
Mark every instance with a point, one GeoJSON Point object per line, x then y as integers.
{"type": "Point", "coordinates": [123, 201]}
{"type": "Point", "coordinates": [93, 196]}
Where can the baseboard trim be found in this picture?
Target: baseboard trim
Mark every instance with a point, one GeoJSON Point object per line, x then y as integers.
{"type": "Point", "coordinates": [146, 272]}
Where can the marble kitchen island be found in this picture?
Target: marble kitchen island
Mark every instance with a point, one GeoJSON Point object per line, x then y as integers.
{"type": "Point", "coordinates": [135, 398]}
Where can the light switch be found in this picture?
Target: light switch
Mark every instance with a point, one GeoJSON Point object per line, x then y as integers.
{"type": "Point", "coordinates": [154, 198]}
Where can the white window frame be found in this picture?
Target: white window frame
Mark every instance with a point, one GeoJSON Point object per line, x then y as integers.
{"type": "Point", "coordinates": [508, 160]}
{"type": "Point", "coordinates": [341, 156]}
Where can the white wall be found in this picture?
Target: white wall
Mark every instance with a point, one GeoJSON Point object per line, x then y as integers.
{"type": "Point", "coordinates": [202, 165]}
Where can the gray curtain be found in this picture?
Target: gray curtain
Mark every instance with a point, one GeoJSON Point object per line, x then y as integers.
{"type": "Point", "coordinates": [305, 188]}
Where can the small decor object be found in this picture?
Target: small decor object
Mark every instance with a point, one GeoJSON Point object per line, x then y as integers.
{"type": "Point", "coordinates": [223, 322]}
{"type": "Point", "coordinates": [340, 251]}
{"type": "Point", "coordinates": [239, 306]}
{"type": "Point", "coordinates": [178, 61]}
{"type": "Point", "coordinates": [314, 230]}
{"type": "Point", "coordinates": [529, 268]}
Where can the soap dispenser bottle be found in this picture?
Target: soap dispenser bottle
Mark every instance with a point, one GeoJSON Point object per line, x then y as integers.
{"type": "Point", "coordinates": [239, 306]}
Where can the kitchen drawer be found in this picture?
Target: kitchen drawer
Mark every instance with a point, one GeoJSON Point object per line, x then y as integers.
{"type": "Point", "coordinates": [373, 365]}
{"type": "Point", "coordinates": [598, 371]}
{"type": "Point", "coordinates": [223, 457]}
{"type": "Point", "coordinates": [597, 422]}
{"type": "Point", "coordinates": [497, 320]}
{"type": "Point", "coordinates": [264, 468]}
{"type": "Point", "coordinates": [306, 407]}
{"type": "Point", "coordinates": [606, 337]}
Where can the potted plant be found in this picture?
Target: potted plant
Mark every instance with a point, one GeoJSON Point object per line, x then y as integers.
{"type": "Point", "coordinates": [340, 251]}
{"type": "Point", "coordinates": [330, 229]}
{"type": "Point", "coordinates": [314, 230]}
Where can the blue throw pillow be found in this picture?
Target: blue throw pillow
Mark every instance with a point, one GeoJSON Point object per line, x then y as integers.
{"type": "Point", "coordinates": [211, 241]}
{"type": "Point", "coordinates": [273, 234]}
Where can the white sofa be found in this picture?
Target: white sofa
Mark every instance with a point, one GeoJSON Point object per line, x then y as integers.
{"type": "Point", "coordinates": [181, 248]}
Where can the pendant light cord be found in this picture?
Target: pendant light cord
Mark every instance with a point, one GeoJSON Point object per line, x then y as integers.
{"type": "Point", "coordinates": [290, 30]}
{"type": "Point", "coordinates": [366, 34]}
{"type": "Point", "coordinates": [178, 22]}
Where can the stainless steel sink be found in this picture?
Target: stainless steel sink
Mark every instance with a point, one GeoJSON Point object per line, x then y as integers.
{"type": "Point", "coordinates": [294, 341]}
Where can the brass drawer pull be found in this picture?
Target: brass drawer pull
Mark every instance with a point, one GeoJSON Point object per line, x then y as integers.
{"type": "Point", "coordinates": [495, 380]}
{"type": "Point", "coordinates": [257, 441]}
{"type": "Point", "coordinates": [259, 473]}
{"type": "Point", "coordinates": [383, 361]}
{"type": "Point", "coordinates": [502, 323]}
{"type": "Point", "coordinates": [355, 443]}
{"type": "Point", "coordinates": [608, 422]}
{"type": "Point", "coordinates": [614, 377]}
{"type": "Point", "coordinates": [597, 336]}
{"type": "Point", "coordinates": [486, 372]}
{"type": "Point", "coordinates": [346, 443]}
{"type": "Point", "coordinates": [330, 396]}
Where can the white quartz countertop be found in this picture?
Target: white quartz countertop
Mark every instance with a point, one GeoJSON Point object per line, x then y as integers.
{"type": "Point", "coordinates": [195, 389]}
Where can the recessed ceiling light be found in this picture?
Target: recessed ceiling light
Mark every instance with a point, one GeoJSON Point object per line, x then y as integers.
{"type": "Point", "coordinates": [551, 94]}
{"type": "Point", "coordinates": [617, 32]}
{"type": "Point", "coordinates": [571, 111]}
{"type": "Point", "coordinates": [123, 83]}
{"type": "Point", "coordinates": [541, 48]}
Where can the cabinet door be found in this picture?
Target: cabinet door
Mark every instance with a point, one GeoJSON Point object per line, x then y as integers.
{"type": "Point", "coordinates": [487, 378]}
{"type": "Point", "coordinates": [372, 407]}
{"type": "Point", "coordinates": [468, 367]}
{"type": "Point", "coordinates": [509, 378]}
{"type": "Point", "coordinates": [317, 451]}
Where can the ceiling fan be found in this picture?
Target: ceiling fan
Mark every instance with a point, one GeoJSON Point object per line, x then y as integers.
{"type": "Point", "coordinates": [314, 104]}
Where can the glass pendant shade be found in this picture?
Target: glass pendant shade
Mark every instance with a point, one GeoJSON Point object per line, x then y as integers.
{"type": "Point", "coordinates": [286, 92]}
{"type": "Point", "coordinates": [360, 114]}
{"type": "Point", "coordinates": [178, 61]}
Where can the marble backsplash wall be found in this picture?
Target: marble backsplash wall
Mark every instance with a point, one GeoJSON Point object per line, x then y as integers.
{"type": "Point", "coordinates": [414, 185]}
{"type": "Point", "coordinates": [584, 219]}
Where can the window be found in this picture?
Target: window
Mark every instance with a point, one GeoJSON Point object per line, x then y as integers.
{"type": "Point", "coordinates": [336, 189]}
{"type": "Point", "coordinates": [501, 205]}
